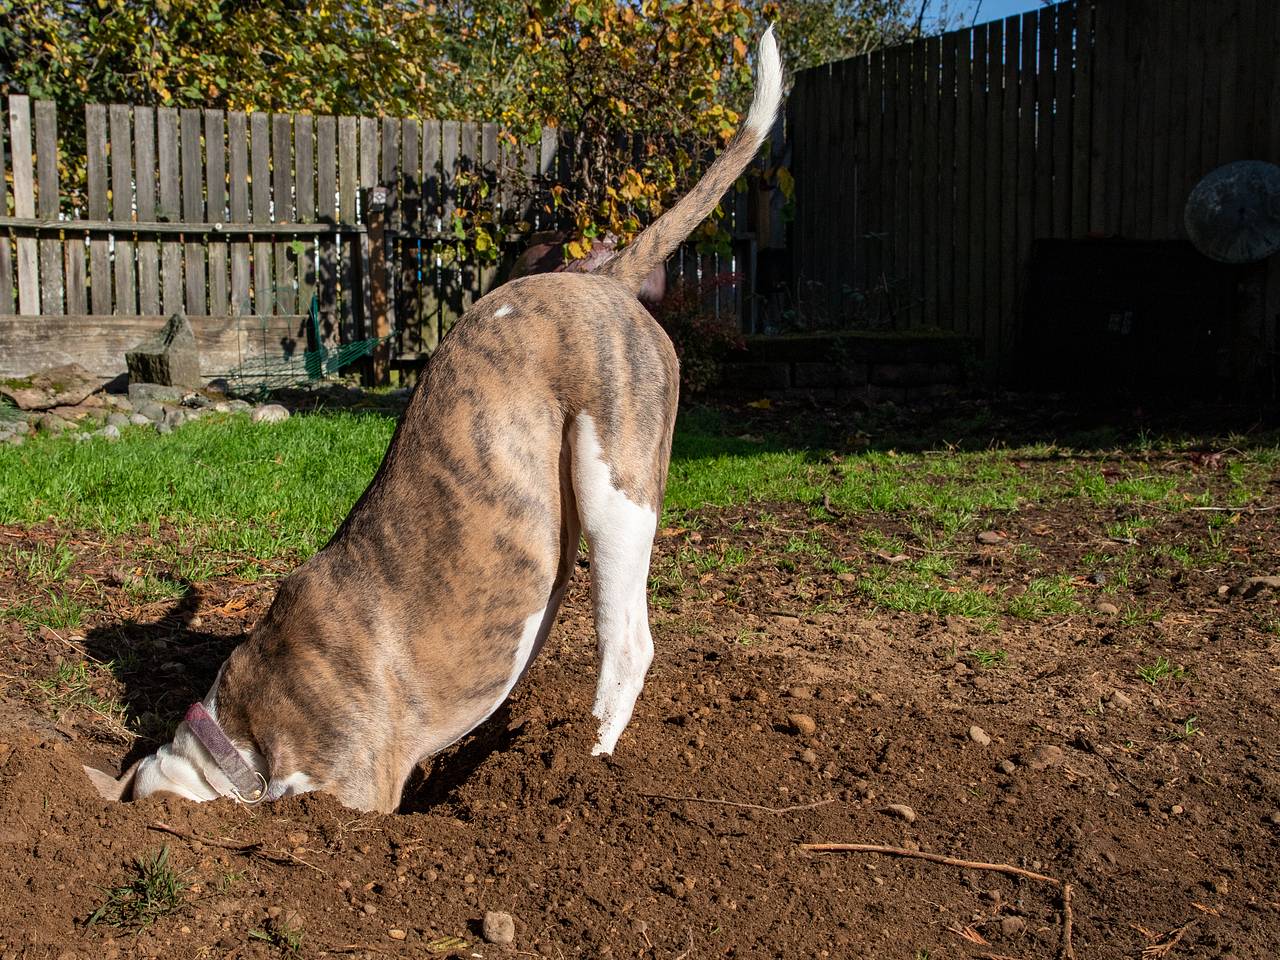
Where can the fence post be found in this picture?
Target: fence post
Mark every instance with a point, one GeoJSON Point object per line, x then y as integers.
{"type": "Point", "coordinates": [377, 201]}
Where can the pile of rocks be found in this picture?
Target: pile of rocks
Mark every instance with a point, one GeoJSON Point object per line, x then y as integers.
{"type": "Point", "coordinates": [70, 401]}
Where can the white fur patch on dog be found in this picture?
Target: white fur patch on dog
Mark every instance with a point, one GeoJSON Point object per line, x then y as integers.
{"type": "Point", "coordinates": [620, 536]}
{"type": "Point", "coordinates": [503, 310]}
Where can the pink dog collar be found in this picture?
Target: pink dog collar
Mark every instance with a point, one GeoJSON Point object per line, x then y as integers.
{"type": "Point", "coordinates": [249, 785]}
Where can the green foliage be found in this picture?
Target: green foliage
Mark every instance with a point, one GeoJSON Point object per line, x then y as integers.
{"type": "Point", "coordinates": [650, 89]}
{"type": "Point", "coordinates": [155, 890]}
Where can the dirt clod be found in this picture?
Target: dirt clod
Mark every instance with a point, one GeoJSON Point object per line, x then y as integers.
{"type": "Point", "coordinates": [802, 724]}
{"type": "Point", "coordinates": [1106, 608]}
{"type": "Point", "coordinates": [979, 736]}
{"type": "Point", "coordinates": [901, 811]}
{"type": "Point", "coordinates": [990, 538]}
{"type": "Point", "coordinates": [1044, 756]}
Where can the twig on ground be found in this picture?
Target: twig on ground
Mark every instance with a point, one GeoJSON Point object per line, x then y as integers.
{"type": "Point", "coordinates": [1157, 950]}
{"type": "Point", "coordinates": [251, 847]}
{"type": "Point", "coordinates": [1068, 953]}
{"type": "Point", "coordinates": [742, 806]}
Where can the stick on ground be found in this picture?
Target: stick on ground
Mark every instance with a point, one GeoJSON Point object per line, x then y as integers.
{"type": "Point", "coordinates": [1068, 953]}
{"type": "Point", "coordinates": [741, 806]}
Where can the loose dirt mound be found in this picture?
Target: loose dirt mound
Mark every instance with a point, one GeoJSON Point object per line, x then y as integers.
{"type": "Point", "coordinates": [1157, 801]}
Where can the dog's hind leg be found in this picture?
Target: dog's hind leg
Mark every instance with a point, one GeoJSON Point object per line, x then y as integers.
{"type": "Point", "coordinates": [619, 535]}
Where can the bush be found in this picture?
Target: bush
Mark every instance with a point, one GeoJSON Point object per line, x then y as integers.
{"type": "Point", "coordinates": [702, 339]}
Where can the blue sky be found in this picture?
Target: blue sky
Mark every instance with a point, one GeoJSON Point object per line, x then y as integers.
{"type": "Point", "coordinates": [989, 10]}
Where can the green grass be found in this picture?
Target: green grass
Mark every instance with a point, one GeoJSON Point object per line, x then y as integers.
{"type": "Point", "coordinates": [78, 685]}
{"type": "Point", "coordinates": [57, 611]}
{"type": "Point", "coordinates": [154, 890]}
{"type": "Point", "coordinates": [1162, 669]}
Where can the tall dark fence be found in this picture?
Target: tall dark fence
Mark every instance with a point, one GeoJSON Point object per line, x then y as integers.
{"type": "Point", "coordinates": [931, 176]}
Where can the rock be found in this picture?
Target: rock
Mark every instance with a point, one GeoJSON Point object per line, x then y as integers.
{"type": "Point", "coordinates": [138, 420]}
{"type": "Point", "coordinates": [16, 440]}
{"type": "Point", "coordinates": [901, 811]}
{"type": "Point", "coordinates": [222, 407]}
{"type": "Point", "coordinates": [1012, 926]}
{"type": "Point", "coordinates": [803, 724]}
{"type": "Point", "coordinates": [5, 435]}
{"type": "Point", "coordinates": [396, 934]}
{"type": "Point", "coordinates": [1120, 700]}
{"type": "Point", "coordinates": [175, 417]}
{"type": "Point", "coordinates": [110, 433]}
{"type": "Point", "coordinates": [979, 736]}
{"type": "Point", "coordinates": [499, 928]}
{"type": "Point", "coordinates": [1008, 767]}
{"type": "Point", "coordinates": [117, 420]}
{"type": "Point", "coordinates": [1045, 756]}
{"type": "Point", "coordinates": [170, 358]}
{"type": "Point", "coordinates": [800, 693]}
{"type": "Point", "coordinates": [66, 385]}
{"type": "Point", "coordinates": [990, 538]}
{"type": "Point", "coordinates": [50, 423]}
{"type": "Point", "coordinates": [269, 413]}
{"type": "Point", "coordinates": [1106, 607]}
{"type": "Point", "coordinates": [238, 406]}
{"type": "Point", "coordinates": [808, 756]}
{"type": "Point", "coordinates": [164, 428]}
{"type": "Point", "coordinates": [1250, 588]}
{"type": "Point", "coordinates": [140, 393]}
{"type": "Point", "coordinates": [152, 411]}
{"type": "Point", "coordinates": [1275, 818]}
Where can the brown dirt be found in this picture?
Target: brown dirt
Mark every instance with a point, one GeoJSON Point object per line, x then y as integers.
{"type": "Point", "coordinates": [1162, 836]}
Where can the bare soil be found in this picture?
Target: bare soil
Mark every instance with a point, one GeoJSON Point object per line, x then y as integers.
{"type": "Point", "coordinates": [1158, 802]}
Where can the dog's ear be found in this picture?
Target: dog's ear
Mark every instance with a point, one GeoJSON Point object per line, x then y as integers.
{"type": "Point", "coordinates": [109, 787]}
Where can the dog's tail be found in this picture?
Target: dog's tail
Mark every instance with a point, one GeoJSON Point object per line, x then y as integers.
{"type": "Point", "coordinates": [661, 238]}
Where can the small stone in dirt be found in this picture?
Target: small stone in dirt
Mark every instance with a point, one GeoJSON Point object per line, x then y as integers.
{"type": "Point", "coordinates": [1045, 756]}
{"type": "Point", "coordinates": [989, 538]}
{"type": "Point", "coordinates": [901, 811]}
{"type": "Point", "coordinates": [1275, 818]}
{"type": "Point", "coordinates": [979, 736]}
{"type": "Point", "coordinates": [800, 693]}
{"type": "Point", "coordinates": [1251, 587]}
{"type": "Point", "coordinates": [1120, 700]}
{"type": "Point", "coordinates": [1012, 926]}
{"type": "Point", "coordinates": [803, 724]}
{"type": "Point", "coordinates": [370, 909]}
{"type": "Point", "coordinates": [1106, 608]}
{"type": "Point", "coordinates": [269, 413]}
{"type": "Point", "coordinates": [499, 927]}
{"type": "Point", "coordinates": [1008, 767]}
{"type": "Point", "coordinates": [808, 756]}
{"type": "Point", "coordinates": [396, 934]}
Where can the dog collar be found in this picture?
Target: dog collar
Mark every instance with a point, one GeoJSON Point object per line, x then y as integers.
{"type": "Point", "coordinates": [247, 784]}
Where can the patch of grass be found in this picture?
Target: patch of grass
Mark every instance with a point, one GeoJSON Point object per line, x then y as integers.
{"type": "Point", "coordinates": [84, 686]}
{"type": "Point", "coordinates": [1189, 728]}
{"type": "Point", "coordinates": [914, 593]}
{"type": "Point", "coordinates": [44, 563]}
{"type": "Point", "coordinates": [155, 890]}
{"type": "Point", "coordinates": [150, 588]}
{"type": "Point", "coordinates": [287, 939]}
{"type": "Point", "coordinates": [988, 659]}
{"type": "Point", "coordinates": [60, 611]}
{"type": "Point", "coordinates": [1162, 669]}
{"type": "Point", "coordinates": [1136, 616]}
{"type": "Point", "coordinates": [1129, 529]}
{"type": "Point", "coordinates": [1045, 597]}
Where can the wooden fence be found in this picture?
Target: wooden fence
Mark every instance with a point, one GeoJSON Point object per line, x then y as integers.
{"type": "Point", "coordinates": [243, 221]}
{"type": "Point", "coordinates": [926, 173]}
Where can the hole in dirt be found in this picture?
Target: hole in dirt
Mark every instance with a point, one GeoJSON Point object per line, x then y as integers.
{"type": "Point", "coordinates": [436, 781]}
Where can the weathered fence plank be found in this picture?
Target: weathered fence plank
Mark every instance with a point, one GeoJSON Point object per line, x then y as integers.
{"type": "Point", "coordinates": [96, 172]}
{"type": "Point", "coordinates": [264, 281]}
{"type": "Point", "coordinates": [238, 184]}
{"type": "Point", "coordinates": [304, 192]}
{"type": "Point", "coordinates": [193, 210]}
{"type": "Point", "coordinates": [144, 170]}
{"type": "Point", "coordinates": [282, 209]}
{"type": "Point", "coordinates": [122, 206]}
{"type": "Point", "coordinates": [169, 209]}
{"type": "Point", "coordinates": [996, 190]}
{"type": "Point", "coordinates": [215, 161]}
{"type": "Point", "coordinates": [977, 183]}
{"type": "Point", "coordinates": [51, 282]}
{"type": "Point", "coordinates": [6, 246]}
{"type": "Point", "coordinates": [327, 210]}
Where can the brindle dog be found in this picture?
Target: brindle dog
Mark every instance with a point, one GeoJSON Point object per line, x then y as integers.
{"type": "Point", "coordinates": [546, 413]}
